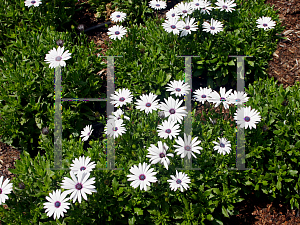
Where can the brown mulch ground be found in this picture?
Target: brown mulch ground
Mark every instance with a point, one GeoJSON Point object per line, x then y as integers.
{"type": "Point", "coordinates": [284, 67]}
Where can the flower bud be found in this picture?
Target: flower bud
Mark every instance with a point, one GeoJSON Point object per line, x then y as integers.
{"type": "Point", "coordinates": [80, 27]}
{"type": "Point", "coordinates": [21, 185]}
{"type": "Point", "coordinates": [285, 103]}
{"type": "Point", "coordinates": [60, 42]}
{"type": "Point", "coordinates": [45, 130]}
{"type": "Point", "coordinates": [161, 114]}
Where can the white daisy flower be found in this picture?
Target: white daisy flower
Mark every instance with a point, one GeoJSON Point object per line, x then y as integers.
{"type": "Point", "coordinates": [168, 129]}
{"type": "Point", "coordinates": [187, 147]}
{"type": "Point", "coordinates": [142, 176]}
{"type": "Point", "coordinates": [265, 23]}
{"type": "Point", "coordinates": [184, 9]}
{"type": "Point", "coordinates": [226, 5]}
{"type": "Point", "coordinates": [79, 186]}
{"type": "Point", "coordinates": [181, 181]}
{"type": "Point", "coordinates": [172, 13]}
{"type": "Point", "coordinates": [57, 57]}
{"type": "Point", "coordinates": [116, 32]}
{"type": "Point", "coordinates": [247, 119]}
{"type": "Point", "coordinates": [117, 115]}
{"type": "Point", "coordinates": [56, 204]}
{"type": "Point", "coordinates": [223, 146]}
{"type": "Point", "coordinates": [157, 5]}
{"type": "Point", "coordinates": [188, 26]}
{"type": "Point", "coordinates": [5, 189]}
{"type": "Point", "coordinates": [172, 25]}
{"type": "Point", "coordinates": [34, 3]}
{"type": "Point", "coordinates": [147, 103]}
{"type": "Point", "coordinates": [115, 128]}
{"type": "Point", "coordinates": [238, 97]}
{"type": "Point", "coordinates": [118, 16]}
{"type": "Point", "coordinates": [214, 27]}
{"type": "Point", "coordinates": [82, 164]}
{"type": "Point", "coordinates": [196, 4]}
{"type": "Point", "coordinates": [216, 98]}
{"type": "Point", "coordinates": [205, 7]}
{"type": "Point", "coordinates": [171, 109]}
{"type": "Point", "coordinates": [202, 94]}
{"type": "Point", "coordinates": [86, 133]}
{"type": "Point", "coordinates": [121, 97]}
{"type": "Point", "coordinates": [179, 88]}
{"type": "Point", "coordinates": [159, 154]}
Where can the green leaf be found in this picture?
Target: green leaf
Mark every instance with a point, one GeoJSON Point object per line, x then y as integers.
{"type": "Point", "coordinates": [248, 183]}
{"type": "Point", "coordinates": [278, 185]}
{"type": "Point", "coordinates": [209, 217]}
{"type": "Point", "coordinates": [131, 220]}
{"type": "Point", "coordinates": [293, 172]}
{"type": "Point", "coordinates": [138, 211]}
{"type": "Point", "coordinates": [231, 63]}
{"type": "Point", "coordinates": [224, 211]}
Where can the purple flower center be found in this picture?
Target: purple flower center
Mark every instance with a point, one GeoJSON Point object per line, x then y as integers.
{"type": "Point", "coordinates": [58, 58]}
{"type": "Point", "coordinates": [187, 27]}
{"type": "Point", "coordinates": [32, 2]}
{"type": "Point", "coordinates": [212, 28]}
{"type": "Point", "coordinates": [184, 11]}
{"type": "Point", "coordinates": [82, 168]}
{"type": "Point", "coordinates": [0, 191]}
{"type": "Point", "coordinates": [142, 177]}
{"type": "Point", "coordinates": [238, 100]}
{"type": "Point", "coordinates": [168, 131]}
{"type": "Point", "coordinates": [118, 16]}
{"type": "Point", "coordinates": [173, 15]}
{"type": "Point", "coordinates": [78, 186]}
{"type": "Point", "coordinates": [88, 134]}
{"type": "Point", "coordinates": [225, 7]}
{"type": "Point", "coordinates": [178, 181]}
{"type": "Point", "coordinates": [222, 145]}
{"type": "Point", "coordinates": [247, 118]}
{"type": "Point", "coordinates": [172, 111]}
{"type": "Point", "coordinates": [122, 99]}
{"type": "Point", "coordinates": [197, 4]}
{"type": "Point", "coordinates": [148, 104]}
{"type": "Point", "coordinates": [157, 5]}
{"type": "Point", "coordinates": [178, 89]}
{"type": "Point", "coordinates": [173, 26]}
{"type": "Point", "coordinates": [203, 96]}
{"type": "Point", "coordinates": [117, 33]}
{"type": "Point", "coordinates": [57, 204]}
{"type": "Point", "coordinates": [161, 155]}
{"type": "Point", "coordinates": [222, 99]}
{"type": "Point", "coordinates": [187, 148]}
{"type": "Point", "coordinates": [115, 128]}
{"type": "Point", "coordinates": [265, 25]}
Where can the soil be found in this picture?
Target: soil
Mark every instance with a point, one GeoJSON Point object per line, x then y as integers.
{"type": "Point", "coordinates": [283, 67]}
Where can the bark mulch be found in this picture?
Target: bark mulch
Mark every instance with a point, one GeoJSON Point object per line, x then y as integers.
{"type": "Point", "coordinates": [284, 67]}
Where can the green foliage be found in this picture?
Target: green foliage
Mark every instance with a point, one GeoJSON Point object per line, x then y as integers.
{"type": "Point", "coordinates": [27, 93]}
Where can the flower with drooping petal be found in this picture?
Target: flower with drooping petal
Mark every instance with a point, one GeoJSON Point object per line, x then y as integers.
{"type": "Point", "coordinates": [34, 3]}
{"type": "Point", "coordinates": [86, 133]}
{"type": "Point", "coordinates": [265, 23]}
{"type": "Point", "coordinates": [223, 146]}
{"type": "Point", "coordinates": [117, 115]}
{"type": "Point", "coordinates": [184, 9]}
{"type": "Point", "coordinates": [226, 5]}
{"type": "Point", "coordinates": [118, 16]}
{"type": "Point", "coordinates": [216, 98]}
{"type": "Point", "coordinates": [79, 185]}
{"type": "Point", "coordinates": [214, 27]}
{"type": "Point", "coordinates": [187, 147]}
{"type": "Point", "coordinates": [181, 181]}
{"type": "Point", "coordinates": [116, 32]}
{"type": "Point", "coordinates": [56, 204]}
{"type": "Point", "coordinates": [247, 117]}
{"type": "Point", "coordinates": [188, 26]}
{"type": "Point", "coordinates": [169, 129]}
{"type": "Point", "coordinates": [179, 88]}
{"type": "Point", "coordinates": [114, 128]}
{"type": "Point", "coordinates": [57, 57]}
{"type": "Point", "coordinates": [147, 103]}
{"type": "Point", "coordinates": [171, 108]}
{"type": "Point", "coordinates": [141, 176]}
{"type": "Point", "coordinates": [121, 97]}
{"type": "Point", "coordinates": [172, 13]}
{"type": "Point", "coordinates": [82, 164]}
{"type": "Point", "coordinates": [159, 154]}
{"type": "Point", "coordinates": [206, 7]}
{"type": "Point", "coordinates": [202, 94]}
{"type": "Point", "coordinates": [5, 189]}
